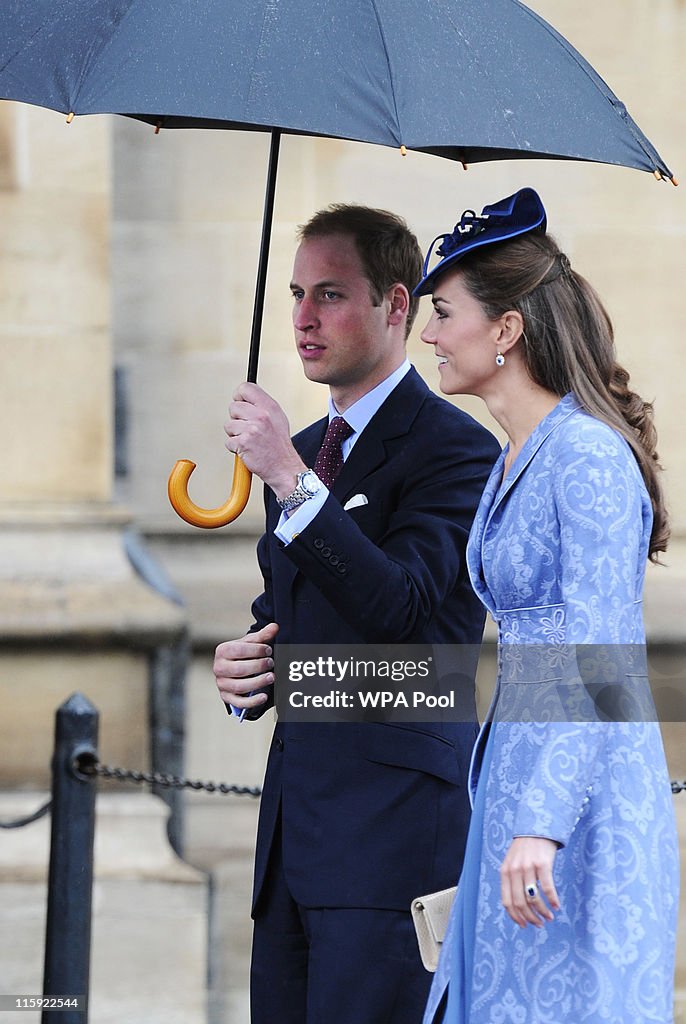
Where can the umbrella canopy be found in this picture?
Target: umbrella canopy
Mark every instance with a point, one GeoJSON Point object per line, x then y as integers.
{"type": "Point", "coordinates": [470, 80]}
{"type": "Point", "coordinates": [467, 79]}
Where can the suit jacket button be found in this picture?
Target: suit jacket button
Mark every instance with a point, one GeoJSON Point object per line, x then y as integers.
{"type": "Point", "coordinates": [326, 552]}
{"type": "Point", "coordinates": [319, 543]}
{"type": "Point", "coordinates": [342, 569]}
{"type": "Point", "coordinates": [334, 559]}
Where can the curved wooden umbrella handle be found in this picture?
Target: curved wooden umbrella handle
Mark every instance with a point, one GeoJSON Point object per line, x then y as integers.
{"type": "Point", "coordinates": [208, 518]}
{"type": "Point", "coordinates": [177, 487]}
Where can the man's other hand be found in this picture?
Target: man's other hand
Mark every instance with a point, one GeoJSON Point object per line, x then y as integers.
{"type": "Point", "coordinates": [245, 665]}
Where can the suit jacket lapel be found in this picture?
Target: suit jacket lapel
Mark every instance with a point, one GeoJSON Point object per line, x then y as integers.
{"type": "Point", "coordinates": [308, 442]}
{"type": "Point", "coordinates": [368, 453]}
{"type": "Point", "coordinates": [393, 419]}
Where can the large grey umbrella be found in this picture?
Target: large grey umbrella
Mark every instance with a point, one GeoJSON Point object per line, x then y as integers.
{"type": "Point", "coordinates": [470, 80]}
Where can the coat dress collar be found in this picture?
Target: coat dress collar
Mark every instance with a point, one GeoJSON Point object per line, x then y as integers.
{"type": "Point", "coordinates": [497, 489]}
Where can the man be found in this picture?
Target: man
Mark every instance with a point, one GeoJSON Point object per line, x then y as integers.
{"type": "Point", "coordinates": [356, 819]}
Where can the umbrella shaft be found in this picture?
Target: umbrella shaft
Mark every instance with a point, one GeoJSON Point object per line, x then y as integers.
{"type": "Point", "coordinates": [261, 283]}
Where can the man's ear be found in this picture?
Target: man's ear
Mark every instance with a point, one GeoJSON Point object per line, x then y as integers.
{"type": "Point", "coordinates": [397, 299]}
{"type": "Point", "coordinates": [511, 328]}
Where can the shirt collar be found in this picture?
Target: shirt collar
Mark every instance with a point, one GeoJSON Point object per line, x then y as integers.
{"type": "Point", "coordinates": [360, 412]}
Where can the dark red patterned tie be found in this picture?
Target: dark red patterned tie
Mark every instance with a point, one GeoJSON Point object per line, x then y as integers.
{"type": "Point", "coordinates": [329, 459]}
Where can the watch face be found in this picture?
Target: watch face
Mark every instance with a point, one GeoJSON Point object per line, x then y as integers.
{"type": "Point", "coordinates": [310, 482]}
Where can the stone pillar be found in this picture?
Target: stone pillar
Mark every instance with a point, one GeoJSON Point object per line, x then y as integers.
{"type": "Point", "coordinates": [73, 612]}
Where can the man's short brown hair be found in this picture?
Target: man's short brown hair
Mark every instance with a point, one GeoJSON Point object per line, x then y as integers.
{"type": "Point", "coordinates": [389, 251]}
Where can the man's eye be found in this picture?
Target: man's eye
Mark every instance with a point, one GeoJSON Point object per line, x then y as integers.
{"type": "Point", "coordinates": [328, 294]}
{"type": "Point", "coordinates": [297, 295]}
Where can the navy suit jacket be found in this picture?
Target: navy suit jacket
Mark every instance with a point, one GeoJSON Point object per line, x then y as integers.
{"type": "Point", "coordinates": [374, 814]}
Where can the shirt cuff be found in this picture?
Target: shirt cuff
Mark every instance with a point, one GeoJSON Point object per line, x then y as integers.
{"type": "Point", "coordinates": [289, 526]}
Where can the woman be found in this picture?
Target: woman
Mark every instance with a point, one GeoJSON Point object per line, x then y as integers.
{"type": "Point", "coordinates": [566, 909]}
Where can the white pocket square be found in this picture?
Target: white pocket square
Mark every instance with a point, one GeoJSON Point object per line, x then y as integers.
{"type": "Point", "coordinates": [355, 501]}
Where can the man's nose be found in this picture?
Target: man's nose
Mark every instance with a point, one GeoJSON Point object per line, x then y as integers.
{"type": "Point", "coordinates": [304, 315]}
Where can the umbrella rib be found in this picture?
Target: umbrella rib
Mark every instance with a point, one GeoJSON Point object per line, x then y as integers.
{"type": "Point", "coordinates": [95, 51]}
{"type": "Point", "coordinates": [390, 71]}
{"type": "Point", "coordinates": [269, 12]}
{"type": "Point", "coordinates": [619, 107]}
{"type": "Point", "coordinates": [16, 53]}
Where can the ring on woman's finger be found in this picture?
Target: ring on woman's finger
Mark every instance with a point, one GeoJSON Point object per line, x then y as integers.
{"type": "Point", "coordinates": [531, 891]}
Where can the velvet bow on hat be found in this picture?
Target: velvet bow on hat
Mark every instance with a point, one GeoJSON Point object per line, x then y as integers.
{"type": "Point", "coordinates": [508, 218]}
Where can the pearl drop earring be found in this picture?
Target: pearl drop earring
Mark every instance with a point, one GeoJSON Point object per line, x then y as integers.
{"type": "Point", "coordinates": [500, 359]}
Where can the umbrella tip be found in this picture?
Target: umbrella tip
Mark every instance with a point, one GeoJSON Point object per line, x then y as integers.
{"type": "Point", "coordinates": [403, 150]}
{"type": "Point", "coordinates": [465, 167]}
{"type": "Point", "coordinates": [70, 117]}
{"type": "Point", "coordinates": [661, 177]}
{"type": "Point", "coordinates": [157, 127]}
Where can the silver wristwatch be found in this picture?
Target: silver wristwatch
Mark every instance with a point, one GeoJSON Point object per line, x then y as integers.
{"type": "Point", "coordinates": [307, 486]}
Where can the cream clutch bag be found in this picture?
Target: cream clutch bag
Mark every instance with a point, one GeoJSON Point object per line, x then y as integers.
{"type": "Point", "coordinates": [430, 916]}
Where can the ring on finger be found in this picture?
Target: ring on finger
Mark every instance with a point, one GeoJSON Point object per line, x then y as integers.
{"type": "Point", "coordinates": [531, 891]}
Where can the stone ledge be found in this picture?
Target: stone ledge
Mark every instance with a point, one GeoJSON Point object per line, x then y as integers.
{"type": "Point", "coordinates": [124, 612]}
{"type": "Point", "coordinates": [66, 576]}
{"type": "Point", "coordinates": [48, 515]}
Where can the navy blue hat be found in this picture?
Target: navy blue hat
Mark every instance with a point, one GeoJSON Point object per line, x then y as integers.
{"type": "Point", "coordinates": [508, 218]}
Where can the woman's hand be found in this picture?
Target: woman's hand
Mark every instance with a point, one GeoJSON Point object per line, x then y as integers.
{"type": "Point", "coordinates": [528, 865]}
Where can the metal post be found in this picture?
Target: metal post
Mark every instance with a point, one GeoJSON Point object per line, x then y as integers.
{"type": "Point", "coordinates": [70, 881]}
{"type": "Point", "coordinates": [168, 665]}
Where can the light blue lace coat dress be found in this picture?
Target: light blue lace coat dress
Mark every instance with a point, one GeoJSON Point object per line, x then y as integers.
{"type": "Point", "coordinates": [558, 555]}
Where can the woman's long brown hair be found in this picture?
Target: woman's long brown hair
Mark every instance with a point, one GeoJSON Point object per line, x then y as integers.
{"type": "Point", "coordinates": [569, 345]}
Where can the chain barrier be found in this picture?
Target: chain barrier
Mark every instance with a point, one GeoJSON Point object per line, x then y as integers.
{"type": "Point", "coordinates": [20, 822]}
{"type": "Point", "coordinates": [86, 765]}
